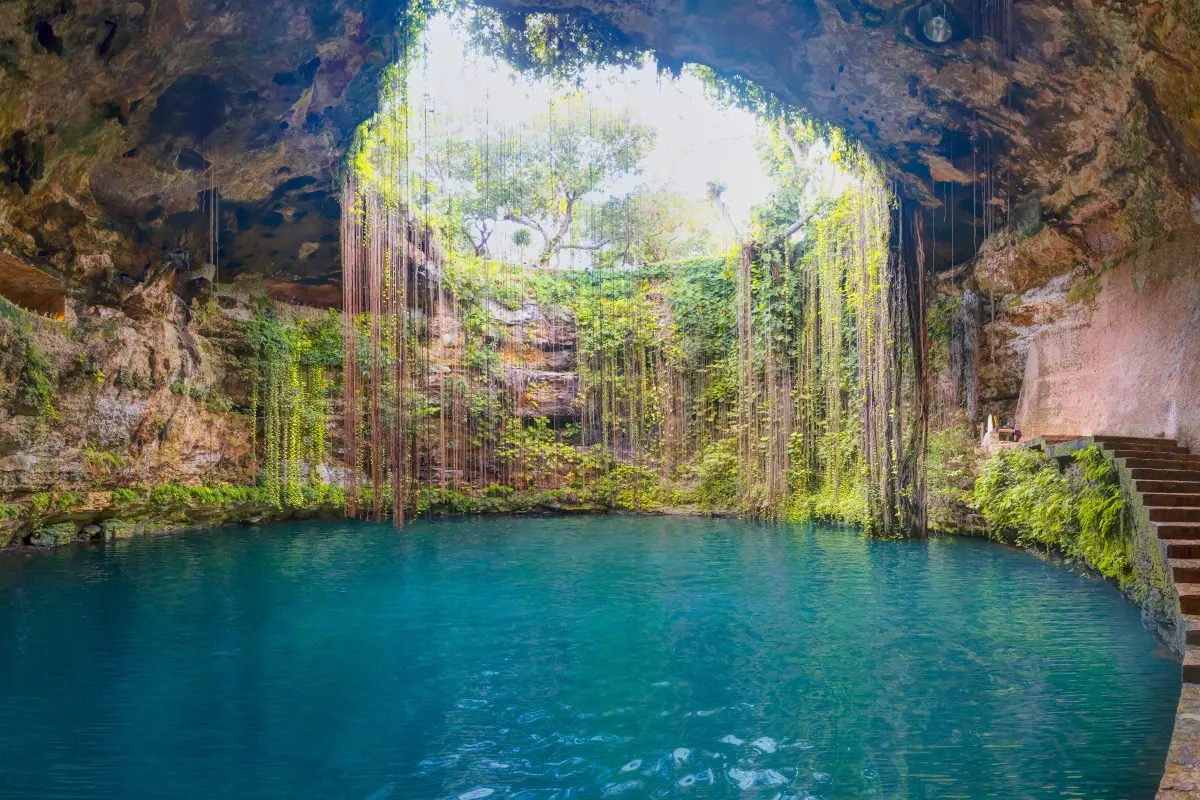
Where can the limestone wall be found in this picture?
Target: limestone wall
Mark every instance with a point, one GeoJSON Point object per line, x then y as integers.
{"type": "Point", "coordinates": [1125, 361]}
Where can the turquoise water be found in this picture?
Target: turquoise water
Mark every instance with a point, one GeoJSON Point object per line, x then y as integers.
{"type": "Point", "coordinates": [546, 658]}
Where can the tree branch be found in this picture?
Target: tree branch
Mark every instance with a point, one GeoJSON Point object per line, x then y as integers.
{"type": "Point", "coordinates": [596, 246]}
{"type": "Point", "coordinates": [793, 145]}
{"type": "Point", "coordinates": [791, 229]}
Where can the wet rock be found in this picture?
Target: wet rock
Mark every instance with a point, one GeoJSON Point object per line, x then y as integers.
{"type": "Point", "coordinates": [53, 535]}
{"type": "Point", "coordinates": [117, 530]}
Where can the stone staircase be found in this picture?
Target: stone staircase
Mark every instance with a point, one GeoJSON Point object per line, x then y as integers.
{"type": "Point", "coordinates": [1161, 480]}
{"type": "Point", "coordinates": [1166, 478]}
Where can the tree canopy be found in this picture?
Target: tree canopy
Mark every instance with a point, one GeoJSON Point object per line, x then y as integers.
{"type": "Point", "coordinates": [558, 178]}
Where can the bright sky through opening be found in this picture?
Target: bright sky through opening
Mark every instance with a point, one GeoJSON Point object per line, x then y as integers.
{"type": "Point", "coordinates": [697, 141]}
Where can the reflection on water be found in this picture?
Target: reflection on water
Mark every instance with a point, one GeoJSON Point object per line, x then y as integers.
{"type": "Point", "coordinates": [553, 658]}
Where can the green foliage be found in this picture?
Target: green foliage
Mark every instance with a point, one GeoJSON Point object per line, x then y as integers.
{"type": "Point", "coordinates": [169, 494]}
{"type": "Point", "coordinates": [700, 294]}
{"type": "Point", "coordinates": [716, 472]}
{"type": "Point", "coordinates": [555, 46]}
{"type": "Point", "coordinates": [54, 535]}
{"type": "Point", "coordinates": [104, 460]}
{"type": "Point", "coordinates": [774, 377]}
{"type": "Point", "coordinates": [9, 511]}
{"type": "Point", "coordinates": [450, 501]}
{"type": "Point", "coordinates": [125, 497]}
{"type": "Point", "coordinates": [628, 487]}
{"type": "Point", "coordinates": [40, 503]}
{"type": "Point", "coordinates": [290, 368]}
{"type": "Point", "coordinates": [1026, 499]}
{"type": "Point", "coordinates": [35, 383]}
{"type": "Point", "coordinates": [543, 179]}
{"type": "Point", "coordinates": [534, 452]}
{"type": "Point", "coordinates": [950, 477]}
{"type": "Point", "coordinates": [10, 311]}
{"type": "Point", "coordinates": [1103, 537]}
{"type": "Point", "coordinates": [46, 503]}
{"type": "Point", "coordinates": [737, 91]}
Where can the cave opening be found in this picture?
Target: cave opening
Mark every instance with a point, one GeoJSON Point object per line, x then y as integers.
{"type": "Point", "coordinates": [889, 270]}
{"type": "Point", "coordinates": [550, 226]}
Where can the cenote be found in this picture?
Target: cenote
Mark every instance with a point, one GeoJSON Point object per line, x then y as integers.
{"type": "Point", "coordinates": [572, 657]}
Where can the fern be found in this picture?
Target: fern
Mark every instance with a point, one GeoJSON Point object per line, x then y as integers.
{"type": "Point", "coordinates": [1027, 500]}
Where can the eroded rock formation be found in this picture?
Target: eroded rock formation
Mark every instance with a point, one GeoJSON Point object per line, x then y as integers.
{"type": "Point", "coordinates": [118, 119]}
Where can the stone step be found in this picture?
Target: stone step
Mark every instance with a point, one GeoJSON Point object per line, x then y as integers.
{"type": "Point", "coordinates": [1191, 627]}
{"type": "Point", "coordinates": [1179, 531]}
{"type": "Point", "coordinates": [1173, 514]}
{"type": "Point", "coordinates": [1185, 570]}
{"type": "Point", "coordinates": [1175, 499]}
{"type": "Point", "coordinates": [1191, 672]}
{"type": "Point", "coordinates": [1129, 452]}
{"type": "Point", "coordinates": [1162, 457]}
{"type": "Point", "coordinates": [1182, 548]}
{"type": "Point", "coordinates": [1146, 447]}
{"type": "Point", "coordinates": [1106, 438]}
{"type": "Point", "coordinates": [1145, 487]}
{"type": "Point", "coordinates": [1151, 474]}
{"type": "Point", "coordinates": [1189, 597]}
{"type": "Point", "coordinates": [1192, 464]}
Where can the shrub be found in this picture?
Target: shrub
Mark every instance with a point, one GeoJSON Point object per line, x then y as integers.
{"type": "Point", "coordinates": [450, 501]}
{"type": "Point", "coordinates": [51, 502]}
{"type": "Point", "coordinates": [1103, 539]}
{"type": "Point", "coordinates": [124, 497]}
{"type": "Point", "coordinates": [168, 494]}
{"type": "Point", "coordinates": [629, 487]}
{"type": "Point", "coordinates": [35, 384]}
{"type": "Point", "coordinates": [1025, 499]}
{"type": "Point", "coordinates": [950, 477]}
{"type": "Point", "coordinates": [1081, 514]}
{"type": "Point", "coordinates": [717, 478]}
{"type": "Point", "coordinates": [40, 503]}
{"type": "Point", "coordinates": [103, 461]}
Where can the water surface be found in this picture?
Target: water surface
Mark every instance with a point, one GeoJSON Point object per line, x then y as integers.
{"type": "Point", "coordinates": [560, 657]}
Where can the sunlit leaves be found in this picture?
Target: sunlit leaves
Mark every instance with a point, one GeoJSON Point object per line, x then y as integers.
{"type": "Point", "coordinates": [555, 46]}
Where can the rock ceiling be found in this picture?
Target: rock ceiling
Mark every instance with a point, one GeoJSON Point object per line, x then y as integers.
{"type": "Point", "coordinates": [1074, 124]}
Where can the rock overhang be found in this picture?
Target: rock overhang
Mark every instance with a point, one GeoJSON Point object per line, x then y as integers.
{"type": "Point", "coordinates": [1076, 116]}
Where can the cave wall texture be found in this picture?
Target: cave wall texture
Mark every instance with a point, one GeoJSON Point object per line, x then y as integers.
{"type": "Point", "coordinates": [1056, 159]}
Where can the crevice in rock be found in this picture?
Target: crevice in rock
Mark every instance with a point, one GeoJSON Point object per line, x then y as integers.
{"type": "Point", "coordinates": [24, 159]}
{"type": "Point", "coordinates": [47, 38]}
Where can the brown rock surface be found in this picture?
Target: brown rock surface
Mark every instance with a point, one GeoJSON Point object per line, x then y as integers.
{"type": "Point", "coordinates": [120, 117]}
{"type": "Point", "coordinates": [119, 416]}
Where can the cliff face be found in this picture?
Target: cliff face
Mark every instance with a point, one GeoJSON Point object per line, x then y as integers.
{"type": "Point", "coordinates": [114, 400]}
{"type": "Point", "coordinates": [1122, 356]}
